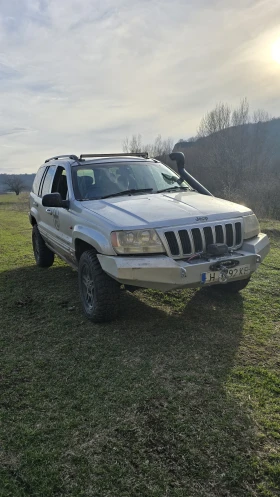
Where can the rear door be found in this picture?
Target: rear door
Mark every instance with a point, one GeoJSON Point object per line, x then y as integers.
{"type": "Point", "coordinates": [44, 219]}
{"type": "Point", "coordinates": [35, 199]}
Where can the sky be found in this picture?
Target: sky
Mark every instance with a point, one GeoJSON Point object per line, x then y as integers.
{"type": "Point", "coordinates": [78, 76]}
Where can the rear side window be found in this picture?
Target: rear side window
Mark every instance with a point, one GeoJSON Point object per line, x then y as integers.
{"type": "Point", "coordinates": [47, 185]}
{"type": "Point", "coordinates": [37, 180]}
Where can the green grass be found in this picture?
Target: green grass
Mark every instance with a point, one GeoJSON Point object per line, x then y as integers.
{"type": "Point", "coordinates": [178, 398]}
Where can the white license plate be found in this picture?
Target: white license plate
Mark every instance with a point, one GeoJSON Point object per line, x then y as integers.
{"type": "Point", "coordinates": [215, 276]}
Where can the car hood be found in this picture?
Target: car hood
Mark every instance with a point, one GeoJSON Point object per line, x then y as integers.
{"type": "Point", "coordinates": [163, 210]}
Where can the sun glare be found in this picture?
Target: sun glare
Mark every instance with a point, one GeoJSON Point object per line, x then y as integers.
{"type": "Point", "coordinates": [275, 51]}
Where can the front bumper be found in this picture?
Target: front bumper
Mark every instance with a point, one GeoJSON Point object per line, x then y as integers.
{"type": "Point", "coordinates": [164, 273]}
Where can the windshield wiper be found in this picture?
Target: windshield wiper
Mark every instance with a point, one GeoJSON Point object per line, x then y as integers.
{"type": "Point", "coordinates": [127, 192]}
{"type": "Point", "coordinates": [173, 188]}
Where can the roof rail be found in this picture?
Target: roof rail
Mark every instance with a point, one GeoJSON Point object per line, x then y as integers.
{"type": "Point", "coordinates": [56, 157]}
{"type": "Point", "coordinates": [145, 155]}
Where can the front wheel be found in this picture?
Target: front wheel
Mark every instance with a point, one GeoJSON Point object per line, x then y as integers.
{"type": "Point", "coordinates": [44, 257]}
{"type": "Point", "coordinates": [99, 293]}
{"type": "Point", "coordinates": [233, 286]}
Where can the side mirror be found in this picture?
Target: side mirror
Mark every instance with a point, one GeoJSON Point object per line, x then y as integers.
{"type": "Point", "coordinates": [54, 200]}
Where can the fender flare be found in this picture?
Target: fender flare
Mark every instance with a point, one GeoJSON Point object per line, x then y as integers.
{"type": "Point", "coordinates": [94, 238]}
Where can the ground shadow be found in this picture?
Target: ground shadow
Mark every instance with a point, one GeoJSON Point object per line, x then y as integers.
{"type": "Point", "coordinates": [144, 399]}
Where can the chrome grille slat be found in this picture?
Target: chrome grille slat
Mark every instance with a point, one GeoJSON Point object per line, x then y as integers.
{"type": "Point", "coordinates": [192, 242]}
{"type": "Point", "coordinates": [185, 241]}
{"type": "Point", "coordinates": [234, 234]}
{"type": "Point", "coordinates": [203, 239]}
{"type": "Point", "coordinates": [214, 234]}
{"type": "Point", "coordinates": [224, 233]}
{"type": "Point", "coordinates": [179, 243]}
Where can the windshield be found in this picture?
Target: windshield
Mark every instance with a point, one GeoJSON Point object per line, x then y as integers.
{"type": "Point", "coordinates": [95, 181]}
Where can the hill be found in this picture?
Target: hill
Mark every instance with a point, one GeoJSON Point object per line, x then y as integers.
{"type": "Point", "coordinates": [240, 163]}
{"type": "Point", "coordinates": [269, 130]}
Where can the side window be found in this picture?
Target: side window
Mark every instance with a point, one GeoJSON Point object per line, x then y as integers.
{"type": "Point", "coordinates": [60, 183]}
{"type": "Point", "coordinates": [37, 180]}
{"type": "Point", "coordinates": [46, 188]}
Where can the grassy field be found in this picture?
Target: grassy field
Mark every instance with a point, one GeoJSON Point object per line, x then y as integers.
{"type": "Point", "coordinates": [178, 398]}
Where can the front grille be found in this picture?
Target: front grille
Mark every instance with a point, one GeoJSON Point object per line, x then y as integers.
{"type": "Point", "coordinates": [219, 234]}
{"type": "Point", "coordinates": [238, 233]}
{"type": "Point", "coordinates": [172, 242]}
{"type": "Point", "coordinates": [229, 235]}
{"type": "Point", "coordinates": [208, 235]}
{"type": "Point", "coordinates": [197, 240]}
{"type": "Point", "coordinates": [185, 242]}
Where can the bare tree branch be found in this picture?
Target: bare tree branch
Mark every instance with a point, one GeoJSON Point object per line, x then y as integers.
{"type": "Point", "coordinates": [133, 144]}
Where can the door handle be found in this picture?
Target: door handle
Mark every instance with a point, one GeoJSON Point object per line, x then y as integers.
{"type": "Point", "coordinates": [49, 211]}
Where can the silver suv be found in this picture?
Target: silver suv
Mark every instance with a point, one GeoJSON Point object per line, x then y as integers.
{"type": "Point", "coordinates": [127, 220]}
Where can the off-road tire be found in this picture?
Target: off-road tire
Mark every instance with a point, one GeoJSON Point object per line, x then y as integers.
{"type": "Point", "coordinates": [98, 292]}
{"type": "Point", "coordinates": [233, 286]}
{"type": "Point", "coordinates": [44, 257]}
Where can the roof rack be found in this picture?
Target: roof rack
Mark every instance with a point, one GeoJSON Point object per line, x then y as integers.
{"type": "Point", "coordinates": [56, 157]}
{"type": "Point", "coordinates": [145, 155]}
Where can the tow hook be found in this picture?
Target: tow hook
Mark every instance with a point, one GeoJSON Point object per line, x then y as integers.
{"type": "Point", "coordinates": [223, 274]}
{"type": "Point", "coordinates": [183, 273]}
{"type": "Point", "coordinates": [258, 258]}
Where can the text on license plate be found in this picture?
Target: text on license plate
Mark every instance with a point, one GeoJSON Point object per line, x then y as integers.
{"type": "Point", "coordinates": [215, 276]}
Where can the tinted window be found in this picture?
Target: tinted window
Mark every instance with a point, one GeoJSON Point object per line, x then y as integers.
{"type": "Point", "coordinates": [37, 180]}
{"type": "Point", "coordinates": [48, 181]}
{"type": "Point", "coordinates": [60, 183]}
{"type": "Point", "coordinates": [91, 181]}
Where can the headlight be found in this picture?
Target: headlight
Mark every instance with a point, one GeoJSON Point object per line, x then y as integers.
{"type": "Point", "coordinates": [136, 242]}
{"type": "Point", "coordinates": [251, 226]}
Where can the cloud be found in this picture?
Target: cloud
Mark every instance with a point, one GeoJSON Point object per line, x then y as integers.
{"type": "Point", "coordinates": [83, 74]}
{"type": "Point", "coordinates": [14, 131]}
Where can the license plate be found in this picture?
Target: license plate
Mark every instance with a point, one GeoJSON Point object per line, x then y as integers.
{"type": "Point", "coordinates": [215, 276]}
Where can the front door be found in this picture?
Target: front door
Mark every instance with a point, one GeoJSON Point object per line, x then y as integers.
{"type": "Point", "coordinates": [56, 221]}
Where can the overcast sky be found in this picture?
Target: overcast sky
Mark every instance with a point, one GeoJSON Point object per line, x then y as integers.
{"type": "Point", "coordinates": [78, 76]}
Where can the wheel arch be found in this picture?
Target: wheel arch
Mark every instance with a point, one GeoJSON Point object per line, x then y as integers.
{"type": "Point", "coordinates": [81, 246]}
{"type": "Point", "coordinates": [32, 220]}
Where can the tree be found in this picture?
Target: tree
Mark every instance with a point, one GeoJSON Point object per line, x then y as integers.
{"type": "Point", "coordinates": [215, 120]}
{"type": "Point", "coordinates": [15, 184]}
{"type": "Point", "coordinates": [222, 117]}
{"type": "Point", "coordinates": [261, 116]}
{"type": "Point", "coordinates": [133, 145]}
{"type": "Point", "coordinates": [236, 156]}
{"type": "Point", "coordinates": [159, 148]}
{"type": "Point", "coordinates": [241, 114]}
